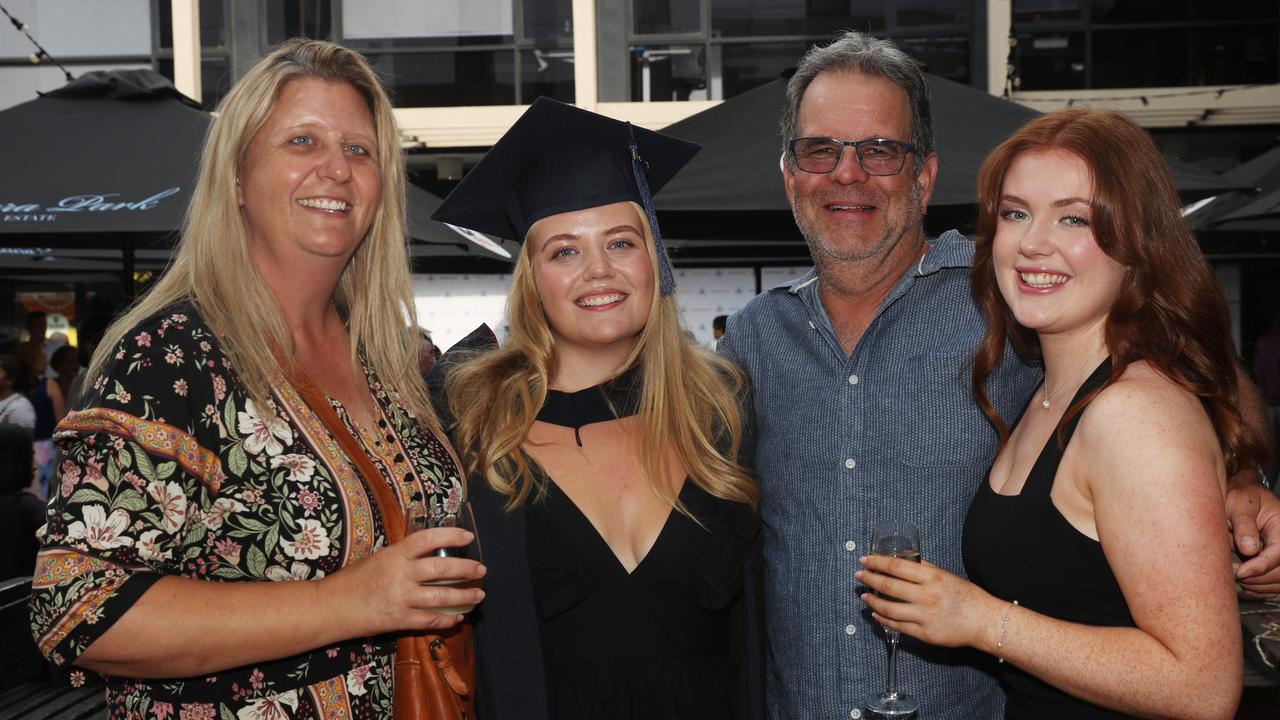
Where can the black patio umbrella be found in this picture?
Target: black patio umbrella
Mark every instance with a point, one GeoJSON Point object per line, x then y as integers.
{"type": "Point", "coordinates": [108, 163]}
{"type": "Point", "coordinates": [436, 239]}
{"type": "Point", "coordinates": [735, 185]}
{"type": "Point", "coordinates": [1262, 174]}
{"type": "Point", "coordinates": [738, 166]}
{"type": "Point", "coordinates": [1258, 198]}
{"type": "Point", "coordinates": [433, 246]}
{"type": "Point", "coordinates": [110, 152]}
{"type": "Point", "coordinates": [1246, 221]}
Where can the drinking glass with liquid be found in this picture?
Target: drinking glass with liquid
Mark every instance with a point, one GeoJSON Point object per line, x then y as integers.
{"type": "Point", "coordinates": [899, 539]}
{"type": "Point", "coordinates": [418, 517]}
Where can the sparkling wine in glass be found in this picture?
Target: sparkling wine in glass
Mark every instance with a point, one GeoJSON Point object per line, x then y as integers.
{"type": "Point", "coordinates": [419, 517]}
{"type": "Point", "coordinates": [897, 539]}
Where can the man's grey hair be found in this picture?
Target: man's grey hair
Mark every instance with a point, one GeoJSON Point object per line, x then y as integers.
{"type": "Point", "coordinates": [853, 51]}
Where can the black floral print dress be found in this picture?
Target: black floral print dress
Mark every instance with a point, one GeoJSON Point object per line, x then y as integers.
{"type": "Point", "coordinates": [170, 469]}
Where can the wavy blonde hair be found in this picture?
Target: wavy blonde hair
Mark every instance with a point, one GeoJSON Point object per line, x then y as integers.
{"type": "Point", "coordinates": [688, 402]}
{"type": "Point", "coordinates": [212, 267]}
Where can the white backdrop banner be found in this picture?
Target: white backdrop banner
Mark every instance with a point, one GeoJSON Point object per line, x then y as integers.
{"type": "Point", "coordinates": [704, 293]}
{"type": "Point", "coordinates": [774, 276]}
{"type": "Point", "coordinates": [451, 306]}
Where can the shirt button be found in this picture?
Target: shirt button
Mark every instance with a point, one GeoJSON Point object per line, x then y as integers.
{"type": "Point", "coordinates": [850, 630]}
{"type": "Point", "coordinates": [855, 713]}
{"type": "Point", "coordinates": [850, 545]}
{"type": "Point", "coordinates": [853, 379]}
{"type": "Point", "coordinates": [850, 463]}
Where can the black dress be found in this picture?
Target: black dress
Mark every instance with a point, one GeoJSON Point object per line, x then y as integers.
{"type": "Point", "coordinates": [652, 643]}
{"type": "Point", "coordinates": [1019, 547]}
{"type": "Point", "coordinates": [667, 640]}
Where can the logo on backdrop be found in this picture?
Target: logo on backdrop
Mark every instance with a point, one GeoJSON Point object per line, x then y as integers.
{"type": "Point", "coordinates": [108, 203]}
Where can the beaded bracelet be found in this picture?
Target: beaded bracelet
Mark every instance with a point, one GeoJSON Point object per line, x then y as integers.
{"type": "Point", "coordinates": [1004, 629]}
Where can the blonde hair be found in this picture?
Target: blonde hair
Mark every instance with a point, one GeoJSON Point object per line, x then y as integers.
{"type": "Point", "coordinates": [688, 401]}
{"type": "Point", "coordinates": [212, 268]}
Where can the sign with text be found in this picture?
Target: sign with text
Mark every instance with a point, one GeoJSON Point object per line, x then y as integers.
{"type": "Point", "coordinates": [91, 203]}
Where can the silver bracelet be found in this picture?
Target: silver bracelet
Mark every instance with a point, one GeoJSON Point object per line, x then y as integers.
{"type": "Point", "coordinates": [1004, 629]}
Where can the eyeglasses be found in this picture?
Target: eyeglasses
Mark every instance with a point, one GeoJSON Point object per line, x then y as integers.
{"type": "Point", "coordinates": [876, 156]}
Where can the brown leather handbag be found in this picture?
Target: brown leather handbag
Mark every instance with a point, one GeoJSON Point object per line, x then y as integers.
{"type": "Point", "coordinates": [434, 672]}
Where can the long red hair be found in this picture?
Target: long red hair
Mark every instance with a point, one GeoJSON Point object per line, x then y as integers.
{"type": "Point", "coordinates": [1170, 311]}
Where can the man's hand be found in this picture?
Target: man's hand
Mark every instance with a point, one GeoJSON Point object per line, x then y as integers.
{"type": "Point", "coordinates": [1254, 514]}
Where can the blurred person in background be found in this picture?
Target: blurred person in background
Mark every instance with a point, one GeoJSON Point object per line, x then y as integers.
{"type": "Point", "coordinates": [428, 354]}
{"type": "Point", "coordinates": [65, 364]}
{"type": "Point", "coordinates": [37, 325]}
{"type": "Point", "coordinates": [15, 407]}
{"type": "Point", "coordinates": [21, 513]}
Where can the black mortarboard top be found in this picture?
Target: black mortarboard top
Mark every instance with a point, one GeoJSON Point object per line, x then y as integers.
{"type": "Point", "coordinates": [557, 158]}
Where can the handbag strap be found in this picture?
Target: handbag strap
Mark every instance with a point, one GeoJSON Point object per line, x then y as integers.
{"type": "Point", "coordinates": [388, 504]}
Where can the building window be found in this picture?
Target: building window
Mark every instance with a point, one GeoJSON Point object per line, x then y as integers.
{"type": "Point", "coordinates": [749, 65]}
{"type": "Point", "coordinates": [82, 35]}
{"type": "Point", "coordinates": [949, 13]}
{"type": "Point", "coordinates": [1077, 44]}
{"type": "Point", "coordinates": [668, 72]}
{"type": "Point", "coordinates": [755, 18]}
{"type": "Point", "coordinates": [751, 42]}
{"type": "Point", "coordinates": [298, 18]}
{"type": "Point", "coordinates": [1050, 60]}
{"type": "Point", "coordinates": [466, 52]}
{"type": "Point", "coordinates": [666, 17]}
{"type": "Point", "coordinates": [215, 47]}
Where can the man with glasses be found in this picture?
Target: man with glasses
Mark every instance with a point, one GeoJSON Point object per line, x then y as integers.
{"type": "Point", "coordinates": [860, 374]}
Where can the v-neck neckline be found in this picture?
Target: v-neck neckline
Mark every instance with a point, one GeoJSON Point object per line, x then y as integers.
{"type": "Point", "coordinates": [570, 512]}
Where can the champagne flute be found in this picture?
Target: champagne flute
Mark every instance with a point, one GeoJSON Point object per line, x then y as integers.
{"type": "Point", "coordinates": [418, 517]}
{"type": "Point", "coordinates": [899, 539]}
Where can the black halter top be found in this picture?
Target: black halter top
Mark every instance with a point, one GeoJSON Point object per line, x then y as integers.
{"type": "Point", "coordinates": [1019, 547]}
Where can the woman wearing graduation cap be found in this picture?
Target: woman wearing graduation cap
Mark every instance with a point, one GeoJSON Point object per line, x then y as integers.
{"type": "Point", "coordinates": [601, 443]}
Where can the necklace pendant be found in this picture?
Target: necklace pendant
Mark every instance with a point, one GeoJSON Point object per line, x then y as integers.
{"type": "Point", "coordinates": [1045, 403]}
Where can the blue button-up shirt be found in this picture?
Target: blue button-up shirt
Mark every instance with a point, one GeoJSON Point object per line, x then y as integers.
{"type": "Point", "coordinates": [891, 432]}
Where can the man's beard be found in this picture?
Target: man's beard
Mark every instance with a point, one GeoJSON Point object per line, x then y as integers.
{"type": "Point", "coordinates": [897, 226]}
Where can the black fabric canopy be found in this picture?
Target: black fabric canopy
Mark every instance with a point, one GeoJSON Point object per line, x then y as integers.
{"type": "Point", "coordinates": [419, 206]}
{"type": "Point", "coordinates": [111, 152]}
{"type": "Point", "coordinates": [738, 166]}
{"type": "Point", "coordinates": [108, 163]}
{"type": "Point", "coordinates": [1243, 222]}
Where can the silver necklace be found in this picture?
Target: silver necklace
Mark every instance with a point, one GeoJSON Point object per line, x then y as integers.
{"type": "Point", "coordinates": [1046, 397]}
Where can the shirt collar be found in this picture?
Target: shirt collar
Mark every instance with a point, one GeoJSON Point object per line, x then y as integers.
{"type": "Point", "coordinates": [949, 250]}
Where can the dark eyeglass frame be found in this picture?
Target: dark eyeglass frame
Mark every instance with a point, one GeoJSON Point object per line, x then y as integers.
{"type": "Point", "coordinates": [906, 147]}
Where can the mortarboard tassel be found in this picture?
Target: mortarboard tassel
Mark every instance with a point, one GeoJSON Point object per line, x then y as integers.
{"type": "Point", "coordinates": [666, 281]}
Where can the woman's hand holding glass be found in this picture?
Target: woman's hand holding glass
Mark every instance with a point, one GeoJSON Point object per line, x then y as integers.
{"type": "Point", "coordinates": [418, 518]}
{"type": "Point", "coordinates": [933, 605]}
{"type": "Point", "coordinates": [393, 590]}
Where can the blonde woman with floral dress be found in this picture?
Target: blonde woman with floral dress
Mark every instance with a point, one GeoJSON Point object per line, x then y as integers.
{"type": "Point", "coordinates": [211, 548]}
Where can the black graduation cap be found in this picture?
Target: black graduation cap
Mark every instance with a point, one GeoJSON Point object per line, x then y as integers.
{"type": "Point", "coordinates": [557, 158]}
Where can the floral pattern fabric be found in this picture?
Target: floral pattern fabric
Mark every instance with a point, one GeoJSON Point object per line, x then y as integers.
{"type": "Point", "coordinates": [169, 468]}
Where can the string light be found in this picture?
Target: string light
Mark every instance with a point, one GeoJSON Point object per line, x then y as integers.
{"type": "Point", "coordinates": [1147, 97]}
{"type": "Point", "coordinates": [1010, 70]}
{"type": "Point", "coordinates": [40, 54]}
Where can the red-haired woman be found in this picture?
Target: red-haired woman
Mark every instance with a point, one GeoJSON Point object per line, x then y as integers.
{"type": "Point", "coordinates": [1103, 575]}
